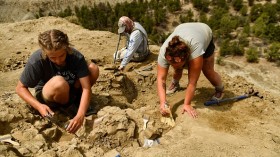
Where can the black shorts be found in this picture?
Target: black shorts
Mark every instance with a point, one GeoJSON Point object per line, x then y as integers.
{"type": "Point", "coordinates": [74, 98]}
{"type": "Point", "coordinates": [210, 49]}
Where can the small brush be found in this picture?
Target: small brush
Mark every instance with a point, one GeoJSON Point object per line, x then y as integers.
{"type": "Point", "coordinates": [145, 120]}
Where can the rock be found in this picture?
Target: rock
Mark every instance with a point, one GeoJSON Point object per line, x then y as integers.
{"type": "Point", "coordinates": [28, 16]}
{"type": "Point", "coordinates": [51, 133]}
{"type": "Point", "coordinates": [112, 153]}
{"type": "Point", "coordinates": [24, 151]}
{"type": "Point", "coordinates": [73, 152]}
{"type": "Point", "coordinates": [48, 153]}
{"type": "Point", "coordinates": [276, 139]}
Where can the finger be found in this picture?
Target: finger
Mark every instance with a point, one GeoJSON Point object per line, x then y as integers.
{"type": "Point", "coordinates": [75, 129]}
{"type": "Point", "coordinates": [162, 111]}
{"type": "Point", "coordinates": [194, 114]}
{"type": "Point", "coordinates": [69, 126]}
{"type": "Point", "coordinates": [190, 113]}
{"type": "Point", "coordinates": [71, 129]}
{"type": "Point", "coordinates": [47, 115]}
{"type": "Point", "coordinates": [50, 112]}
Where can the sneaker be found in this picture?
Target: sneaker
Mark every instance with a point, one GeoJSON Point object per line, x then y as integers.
{"type": "Point", "coordinates": [173, 88]}
{"type": "Point", "coordinates": [219, 94]}
{"type": "Point", "coordinates": [91, 110]}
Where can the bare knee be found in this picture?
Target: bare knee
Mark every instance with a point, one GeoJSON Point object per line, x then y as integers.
{"type": "Point", "coordinates": [94, 72]}
{"type": "Point", "coordinates": [56, 90]}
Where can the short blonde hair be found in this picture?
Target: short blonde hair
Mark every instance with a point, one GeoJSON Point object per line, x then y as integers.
{"type": "Point", "coordinates": [54, 40]}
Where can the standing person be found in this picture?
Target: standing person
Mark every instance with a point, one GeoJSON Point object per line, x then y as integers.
{"type": "Point", "coordinates": [60, 75]}
{"type": "Point", "coordinates": [190, 45]}
{"type": "Point", "coordinates": [137, 42]}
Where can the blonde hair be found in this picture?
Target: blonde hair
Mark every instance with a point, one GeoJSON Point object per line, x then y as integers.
{"type": "Point", "coordinates": [54, 40]}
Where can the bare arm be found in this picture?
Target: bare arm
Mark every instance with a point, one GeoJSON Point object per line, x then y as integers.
{"type": "Point", "coordinates": [77, 121]}
{"type": "Point", "coordinates": [86, 92]}
{"type": "Point", "coordinates": [194, 71]}
{"type": "Point", "coordinates": [25, 94]}
{"type": "Point", "coordinates": [161, 86]}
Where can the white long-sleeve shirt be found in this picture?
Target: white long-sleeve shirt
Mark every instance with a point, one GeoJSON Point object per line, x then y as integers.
{"type": "Point", "coordinates": [136, 43]}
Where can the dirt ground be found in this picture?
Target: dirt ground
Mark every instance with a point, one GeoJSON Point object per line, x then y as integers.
{"type": "Point", "coordinates": [248, 128]}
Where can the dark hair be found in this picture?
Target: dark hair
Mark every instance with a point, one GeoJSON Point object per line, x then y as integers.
{"type": "Point", "coordinates": [177, 48]}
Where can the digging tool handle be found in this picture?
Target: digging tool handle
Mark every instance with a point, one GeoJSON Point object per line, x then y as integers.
{"type": "Point", "coordinates": [208, 103]}
{"type": "Point", "coordinates": [117, 48]}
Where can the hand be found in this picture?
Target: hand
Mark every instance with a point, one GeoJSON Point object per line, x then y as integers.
{"type": "Point", "coordinates": [75, 124]}
{"type": "Point", "coordinates": [164, 111]}
{"type": "Point", "coordinates": [190, 110]}
{"type": "Point", "coordinates": [45, 110]}
{"type": "Point", "coordinates": [121, 68]}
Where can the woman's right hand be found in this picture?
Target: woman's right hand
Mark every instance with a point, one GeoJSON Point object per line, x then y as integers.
{"type": "Point", "coordinates": [45, 110]}
{"type": "Point", "coordinates": [163, 110]}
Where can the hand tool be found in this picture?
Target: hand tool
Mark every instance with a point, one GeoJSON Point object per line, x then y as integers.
{"type": "Point", "coordinates": [58, 124]}
{"type": "Point", "coordinates": [236, 98]}
{"type": "Point", "coordinates": [115, 56]}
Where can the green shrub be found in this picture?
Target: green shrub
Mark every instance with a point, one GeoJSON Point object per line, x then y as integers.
{"type": "Point", "coordinates": [220, 4]}
{"type": "Point", "coordinates": [201, 5]}
{"type": "Point", "coordinates": [244, 10]}
{"type": "Point", "coordinates": [227, 24]}
{"type": "Point", "coordinates": [220, 60]}
{"type": "Point", "coordinates": [273, 53]}
{"type": "Point", "coordinates": [243, 21]}
{"type": "Point", "coordinates": [250, 2]}
{"type": "Point", "coordinates": [173, 5]}
{"type": "Point", "coordinates": [66, 12]}
{"type": "Point", "coordinates": [160, 16]}
{"type": "Point", "coordinates": [246, 30]}
{"type": "Point", "coordinates": [243, 40]}
{"type": "Point", "coordinates": [224, 48]}
{"type": "Point", "coordinates": [231, 48]}
{"type": "Point", "coordinates": [217, 13]}
{"type": "Point", "coordinates": [272, 12]}
{"type": "Point", "coordinates": [273, 32]}
{"type": "Point", "coordinates": [252, 55]}
{"type": "Point", "coordinates": [236, 49]}
{"type": "Point", "coordinates": [187, 18]}
{"type": "Point", "coordinates": [203, 17]}
{"type": "Point", "coordinates": [260, 25]}
{"type": "Point", "coordinates": [237, 4]}
{"type": "Point", "coordinates": [256, 12]}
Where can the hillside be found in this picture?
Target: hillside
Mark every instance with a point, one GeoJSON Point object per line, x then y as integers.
{"type": "Point", "coordinates": [19, 10]}
{"type": "Point", "coordinates": [246, 128]}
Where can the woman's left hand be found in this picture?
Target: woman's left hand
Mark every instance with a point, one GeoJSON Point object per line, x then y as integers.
{"type": "Point", "coordinates": [190, 110]}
